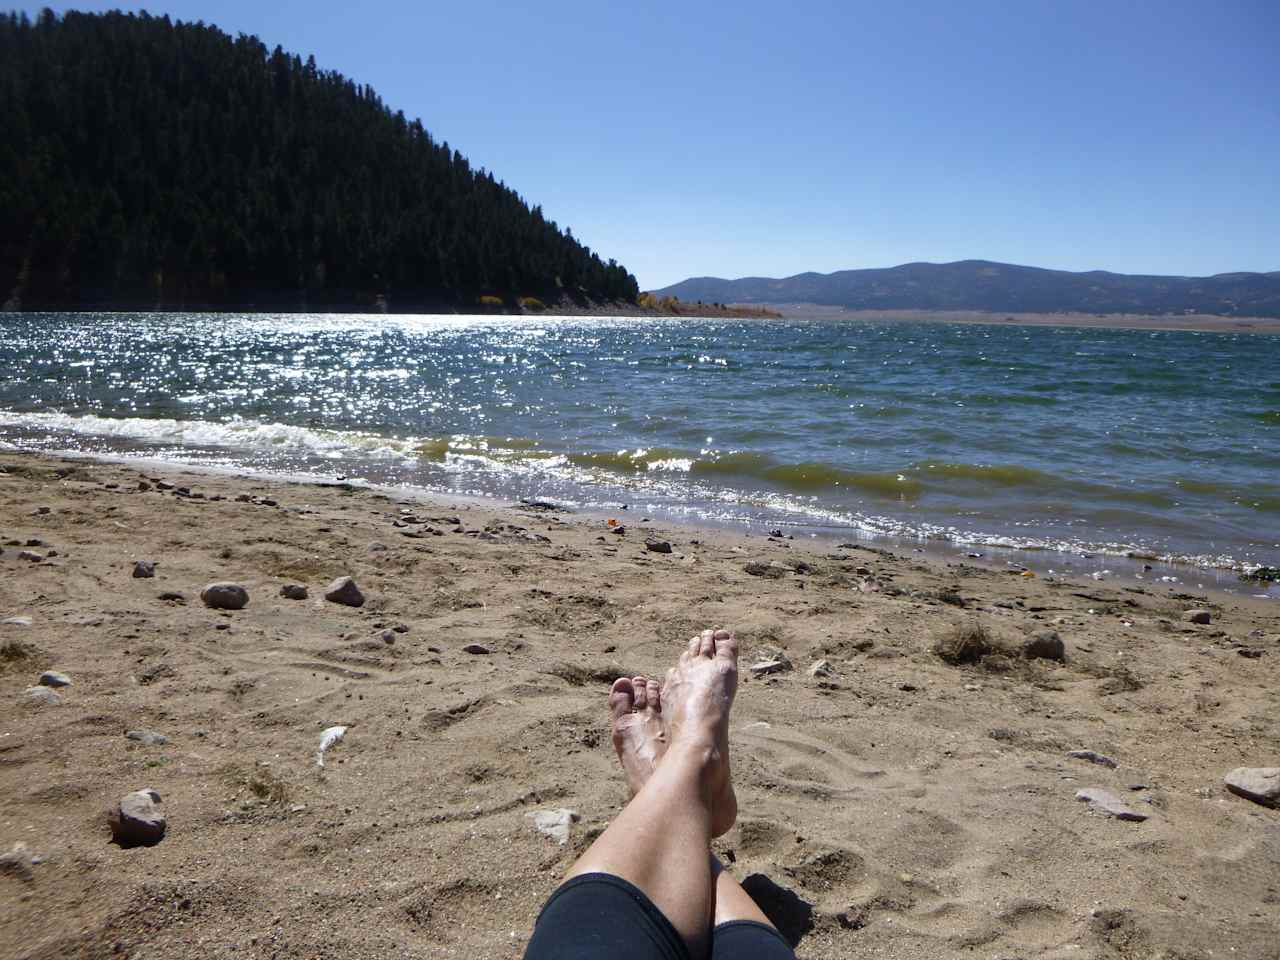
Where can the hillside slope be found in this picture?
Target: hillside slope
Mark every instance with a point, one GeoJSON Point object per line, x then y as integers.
{"type": "Point", "coordinates": [146, 163]}
{"type": "Point", "coordinates": [984, 285]}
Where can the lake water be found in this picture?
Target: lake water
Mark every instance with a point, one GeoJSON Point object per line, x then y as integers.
{"type": "Point", "coordinates": [1083, 440]}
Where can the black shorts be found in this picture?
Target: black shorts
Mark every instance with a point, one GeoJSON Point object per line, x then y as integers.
{"type": "Point", "coordinates": [597, 915]}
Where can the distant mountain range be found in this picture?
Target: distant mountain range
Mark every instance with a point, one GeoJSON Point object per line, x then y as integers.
{"type": "Point", "coordinates": [998, 287]}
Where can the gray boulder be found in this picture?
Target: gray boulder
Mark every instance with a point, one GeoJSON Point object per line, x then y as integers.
{"type": "Point", "coordinates": [43, 695]}
{"type": "Point", "coordinates": [1198, 616]}
{"type": "Point", "coordinates": [136, 821]}
{"type": "Point", "coordinates": [52, 678]}
{"type": "Point", "coordinates": [225, 596]}
{"type": "Point", "coordinates": [293, 591]}
{"type": "Point", "coordinates": [344, 591]}
{"type": "Point", "coordinates": [147, 737]}
{"type": "Point", "coordinates": [144, 569]}
{"type": "Point", "coordinates": [1259, 784]}
{"type": "Point", "coordinates": [1104, 801]}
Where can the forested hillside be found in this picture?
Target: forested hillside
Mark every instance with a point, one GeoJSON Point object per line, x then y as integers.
{"type": "Point", "coordinates": [146, 163]}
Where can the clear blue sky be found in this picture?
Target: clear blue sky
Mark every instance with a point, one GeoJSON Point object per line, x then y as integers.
{"type": "Point", "coordinates": [752, 138]}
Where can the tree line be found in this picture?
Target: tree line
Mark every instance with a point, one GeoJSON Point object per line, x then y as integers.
{"type": "Point", "coordinates": [149, 163]}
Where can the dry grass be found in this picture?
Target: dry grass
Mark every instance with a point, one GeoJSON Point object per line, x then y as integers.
{"type": "Point", "coordinates": [965, 644]}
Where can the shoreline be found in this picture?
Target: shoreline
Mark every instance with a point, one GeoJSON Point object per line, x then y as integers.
{"type": "Point", "coordinates": [879, 776]}
{"type": "Point", "coordinates": [1189, 323]}
{"type": "Point", "coordinates": [1132, 569]}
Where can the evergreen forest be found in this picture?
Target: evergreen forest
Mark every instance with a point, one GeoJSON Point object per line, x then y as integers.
{"type": "Point", "coordinates": [152, 164]}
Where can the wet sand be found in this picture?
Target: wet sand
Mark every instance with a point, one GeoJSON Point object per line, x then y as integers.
{"type": "Point", "coordinates": [893, 804]}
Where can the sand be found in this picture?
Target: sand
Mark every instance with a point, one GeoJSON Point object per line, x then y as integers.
{"type": "Point", "coordinates": [900, 806]}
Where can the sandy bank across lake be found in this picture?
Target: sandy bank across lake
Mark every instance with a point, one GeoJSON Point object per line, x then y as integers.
{"type": "Point", "coordinates": [893, 804]}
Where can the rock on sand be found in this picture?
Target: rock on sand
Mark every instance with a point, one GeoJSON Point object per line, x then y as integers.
{"type": "Point", "coordinates": [344, 591]}
{"type": "Point", "coordinates": [225, 596]}
{"type": "Point", "coordinates": [1259, 784]}
{"type": "Point", "coordinates": [136, 821]}
{"type": "Point", "coordinates": [1104, 801]}
{"type": "Point", "coordinates": [293, 591]}
{"type": "Point", "coordinates": [144, 569]}
{"type": "Point", "coordinates": [43, 695]}
{"type": "Point", "coordinates": [554, 823]}
{"type": "Point", "coordinates": [52, 678]}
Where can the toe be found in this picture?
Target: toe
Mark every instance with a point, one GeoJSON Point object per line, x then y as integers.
{"type": "Point", "coordinates": [694, 644]}
{"type": "Point", "coordinates": [653, 695]}
{"type": "Point", "coordinates": [706, 645]}
{"type": "Point", "coordinates": [621, 697]}
{"type": "Point", "coordinates": [726, 645]}
{"type": "Point", "coordinates": [641, 687]}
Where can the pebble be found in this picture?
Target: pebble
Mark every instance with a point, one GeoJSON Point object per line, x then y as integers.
{"type": "Point", "coordinates": [377, 547]}
{"type": "Point", "coordinates": [1045, 645]}
{"type": "Point", "coordinates": [1198, 616]}
{"type": "Point", "coordinates": [34, 542]}
{"type": "Point", "coordinates": [293, 591]}
{"type": "Point", "coordinates": [555, 824]}
{"type": "Point", "coordinates": [225, 596]}
{"type": "Point", "coordinates": [1104, 801]}
{"type": "Point", "coordinates": [479, 649]}
{"type": "Point", "coordinates": [344, 591]}
{"type": "Point", "coordinates": [173, 595]}
{"type": "Point", "coordinates": [144, 569]}
{"type": "Point", "coordinates": [1092, 757]}
{"type": "Point", "coordinates": [136, 821]}
{"type": "Point", "coordinates": [771, 571]}
{"type": "Point", "coordinates": [147, 737]}
{"type": "Point", "coordinates": [17, 622]}
{"type": "Point", "coordinates": [657, 546]}
{"type": "Point", "coordinates": [43, 695]}
{"type": "Point", "coordinates": [1259, 784]}
{"type": "Point", "coordinates": [400, 627]}
{"type": "Point", "coordinates": [30, 555]}
{"type": "Point", "coordinates": [52, 678]}
{"type": "Point", "coordinates": [821, 669]}
{"type": "Point", "coordinates": [388, 637]}
{"type": "Point", "coordinates": [765, 667]}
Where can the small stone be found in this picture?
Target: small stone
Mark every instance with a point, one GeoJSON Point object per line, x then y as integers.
{"type": "Point", "coordinates": [148, 738]}
{"type": "Point", "coordinates": [400, 627]}
{"type": "Point", "coordinates": [297, 807]}
{"type": "Point", "coordinates": [1092, 757]}
{"type": "Point", "coordinates": [821, 669]}
{"type": "Point", "coordinates": [144, 569]}
{"type": "Point", "coordinates": [1249, 653]}
{"type": "Point", "coordinates": [771, 571]}
{"type": "Point", "coordinates": [34, 542]}
{"type": "Point", "coordinates": [43, 695]}
{"type": "Point", "coordinates": [143, 486]}
{"type": "Point", "coordinates": [1198, 616]}
{"type": "Point", "coordinates": [30, 556]}
{"type": "Point", "coordinates": [344, 591]}
{"type": "Point", "coordinates": [1104, 801]}
{"type": "Point", "coordinates": [554, 823]}
{"type": "Point", "coordinates": [388, 637]}
{"type": "Point", "coordinates": [657, 546]}
{"type": "Point", "coordinates": [377, 547]}
{"type": "Point", "coordinates": [17, 862]}
{"type": "Point", "coordinates": [136, 821]}
{"type": "Point", "coordinates": [1259, 784]}
{"type": "Point", "coordinates": [479, 649]}
{"type": "Point", "coordinates": [293, 591]}
{"type": "Point", "coordinates": [1045, 645]}
{"type": "Point", "coordinates": [225, 596]}
{"type": "Point", "coordinates": [163, 485]}
{"type": "Point", "coordinates": [174, 596]}
{"type": "Point", "coordinates": [16, 621]}
{"type": "Point", "coordinates": [764, 668]}
{"type": "Point", "coordinates": [52, 678]}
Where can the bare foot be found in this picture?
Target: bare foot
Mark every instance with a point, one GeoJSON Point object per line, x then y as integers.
{"type": "Point", "coordinates": [638, 735]}
{"type": "Point", "coordinates": [696, 699]}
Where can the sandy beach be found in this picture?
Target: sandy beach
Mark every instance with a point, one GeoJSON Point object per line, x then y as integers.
{"type": "Point", "coordinates": [894, 802]}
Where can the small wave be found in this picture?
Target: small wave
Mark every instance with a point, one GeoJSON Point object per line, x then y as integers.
{"type": "Point", "coordinates": [236, 433]}
{"type": "Point", "coordinates": [1269, 417]}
